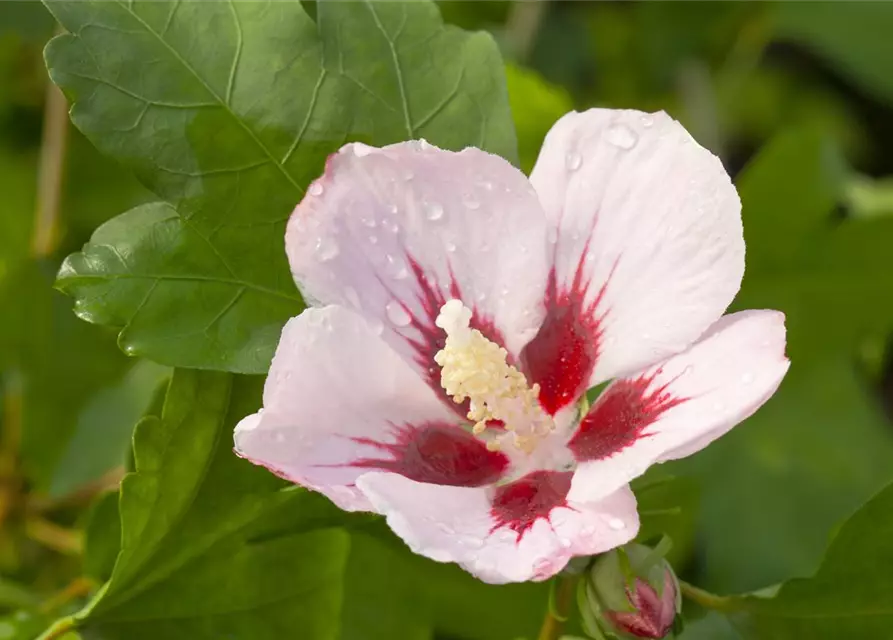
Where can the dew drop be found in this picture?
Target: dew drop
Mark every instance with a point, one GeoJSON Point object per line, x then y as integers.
{"type": "Point", "coordinates": [397, 314]}
{"type": "Point", "coordinates": [621, 136]}
{"type": "Point", "coordinates": [392, 208]}
{"type": "Point", "coordinates": [616, 524]}
{"type": "Point", "coordinates": [373, 239]}
{"type": "Point", "coordinates": [408, 175]}
{"type": "Point", "coordinates": [470, 201]}
{"type": "Point", "coordinates": [369, 222]}
{"type": "Point", "coordinates": [424, 144]}
{"type": "Point", "coordinates": [747, 378]}
{"type": "Point", "coordinates": [487, 185]}
{"type": "Point", "coordinates": [433, 211]}
{"type": "Point", "coordinates": [326, 248]}
{"type": "Point", "coordinates": [315, 189]}
{"type": "Point", "coordinates": [450, 246]}
{"type": "Point", "coordinates": [647, 120]}
{"type": "Point", "coordinates": [471, 542]}
{"type": "Point", "coordinates": [360, 149]}
{"type": "Point", "coordinates": [573, 161]}
{"type": "Point", "coordinates": [376, 326]}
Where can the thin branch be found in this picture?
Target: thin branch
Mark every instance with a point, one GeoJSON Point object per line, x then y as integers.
{"type": "Point", "coordinates": [523, 25]}
{"type": "Point", "coordinates": [51, 171]}
{"type": "Point", "coordinates": [560, 600]}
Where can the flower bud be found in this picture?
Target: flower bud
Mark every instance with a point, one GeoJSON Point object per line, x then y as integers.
{"type": "Point", "coordinates": [633, 593]}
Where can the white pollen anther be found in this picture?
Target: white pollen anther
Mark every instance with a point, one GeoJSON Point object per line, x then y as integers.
{"type": "Point", "coordinates": [474, 368]}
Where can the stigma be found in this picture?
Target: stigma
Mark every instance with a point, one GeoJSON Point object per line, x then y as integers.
{"type": "Point", "coordinates": [474, 368]}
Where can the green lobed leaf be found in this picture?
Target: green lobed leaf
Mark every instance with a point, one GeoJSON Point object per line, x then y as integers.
{"type": "Point", "coordinates": [851, 595]}
{"type": "Point", "coordinates": [227, 111]}
{"type": "Point", "coordinates": [210, 545]}
{"type": "Point", "coordinates": [775, 487]}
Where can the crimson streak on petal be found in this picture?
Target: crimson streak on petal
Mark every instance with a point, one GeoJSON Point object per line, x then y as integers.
{"type": "Point", "coordinates": [520, 504]}
{"type": "Point", "coordinates": [620, 417]}
{"type": "Point", "coordinates": [562, 355]}
{"type": "Point", "coordinates": [437, 453]}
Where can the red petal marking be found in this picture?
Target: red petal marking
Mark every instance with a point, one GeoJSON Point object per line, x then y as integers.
{"type": "Point", "coordinates": [437, 453]}
{"type": "Point", "coordinates": [562, 355]}
{"type": "Point", "coordinates": [620, 417]}
{"type": "Point", "coordinates": [432, 338]}
{"type": "Point", "coordinates": [653, 615]}
{"type": "Point", "coordinates": [520, 504]}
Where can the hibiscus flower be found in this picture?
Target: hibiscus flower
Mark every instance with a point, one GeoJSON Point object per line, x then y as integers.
{"type": "Point", "coordinates": [460, 312]}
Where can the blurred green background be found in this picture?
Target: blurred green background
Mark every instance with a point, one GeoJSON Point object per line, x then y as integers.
{"type": "Point", "coordinates": [795, 98]}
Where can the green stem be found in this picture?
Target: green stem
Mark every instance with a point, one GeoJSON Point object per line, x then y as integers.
{"type": "Point", "coordinates": [705, 598]}
{"type": "Point", "coordinates": [560, 601]}
{"type": "Point", "coordinates": [59, 629]}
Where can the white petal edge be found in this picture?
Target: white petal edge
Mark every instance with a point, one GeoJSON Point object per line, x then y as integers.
{"type": "Point", "coordinates": [726, 376]}
{"type": "Point", "coordinates": [454, 524]}
{"type": "Point", "coordinates": [469, 217]}
{"type": "Point", "coordinates": [650, 215]}
{"type": "Point", "coordinates": [333, 379]}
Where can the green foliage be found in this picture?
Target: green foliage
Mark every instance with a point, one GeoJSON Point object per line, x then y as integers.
{"type": "Point", "coordinates": [202, 547]}
{"type": "Point", "coordinates": [831, 280]}
{"type": "Point", "coordinates": [851, 595]}
{"type": "Point", "coordinates": [217, 289]}
{"type": "Point", "coordinates": [861, 50]}
{"type": "Point", "coordinates": [225, 111]}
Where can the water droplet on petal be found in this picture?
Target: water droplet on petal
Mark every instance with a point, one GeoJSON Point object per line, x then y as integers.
{"type": "Point", "coordinates": [616, 524]}
{"type": "Point", "coordinates": [369, 222]}
{"type": "Point", "coordinates": [553, 235]}
{"type": "Point", "coordinates": [392, 208]}
{"type": "Point", "coordinates": [373, 239]}
{"type": "Point", "coordinates": [470, 201]}
{"type": "Point", "coordinates": [279, 437]}
{"type": "Point", "coordinates": [326, 248]}
{"type": "Point", "coordinates": [408, 175]}
{"type": "Point", "coordinates": [487, 185]}
{"type": "Point", "coordinates": [450, 246]}
{"type": "Point", "coordinates": [445, 528]}
{"type": "Point", "coordinates": [376, 325]}
{"type": "Point", "coordinates": [424, 144]}
{"type": "Point", "coordinates": [747, 378]}
{"type": "Point", "coordinates": [360, 149]}
{"type": "Point", "coordinates": [647, 120]}
{"type": "Point", "coordinates": [573, 161]}
{"type": "Point", "coordinates": [433, 211]}
{"type": "Point", "coordinates": [397, 314]}
{"type": "Point", "coordinates": [315, 189]}
{"type": "Point", "coordinates": [620, 135]}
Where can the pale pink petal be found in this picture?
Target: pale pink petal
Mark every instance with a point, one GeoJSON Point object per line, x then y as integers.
{"type": "Point", "coordinates": [499, 545]}
{"type": "Point", "coordinates": [396, 232]}
{"type": "Point", "coordinates": [681, 405]}
{"type": "Point", "coordinates": [339, 402]}
{"type": "Point", "coordinates": [648, 247]}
